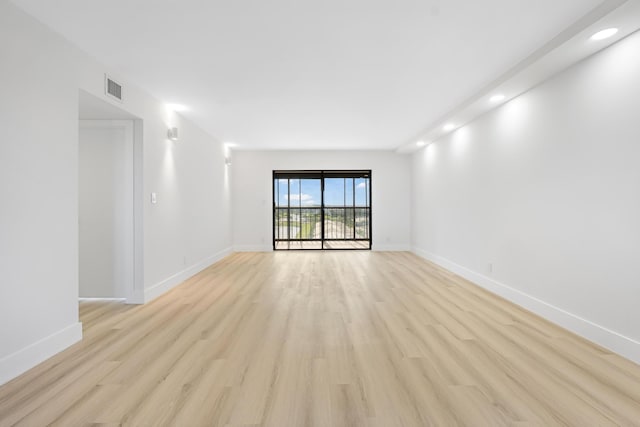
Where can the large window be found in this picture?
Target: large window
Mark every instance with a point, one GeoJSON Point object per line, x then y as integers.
{"type": "Point", "coordinates": [321, 210]}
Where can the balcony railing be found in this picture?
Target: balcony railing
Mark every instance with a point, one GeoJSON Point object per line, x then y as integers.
{"type": "Point", "coordinates": [346, 223]}
{"type": "Point", "coordinates": [300, 223]}
{"type": "Point", "coordinates": [305, 223]}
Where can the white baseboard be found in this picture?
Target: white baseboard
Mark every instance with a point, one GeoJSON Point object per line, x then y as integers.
{"type": "Point", "coordinates": [253, 248]}
{"type": "Point", "coordinates": [620, 344]}
{"type": "Point", "coordinates": [136, 298]}
{"type": "Point", "coordinates": [22, 360]}
{"type": "Point", "coordinates": [160, 288]}
{"type": "Point", "coordinates": [391, 248]}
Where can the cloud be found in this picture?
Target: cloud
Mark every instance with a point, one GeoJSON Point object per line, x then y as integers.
{"type": "Point", "coordinates": [361, 185]}
{"type": "Point", "coordinates": [305, 199]}
{"type": "Point", "coordinates": [301, 197]}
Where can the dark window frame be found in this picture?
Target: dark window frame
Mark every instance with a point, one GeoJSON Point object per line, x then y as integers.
{"type": "Point", "coordinates": [321, 175]}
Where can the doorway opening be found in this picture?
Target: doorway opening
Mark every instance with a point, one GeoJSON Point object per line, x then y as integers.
{"type": "Point", "coordinates": [325, 209]}
{"type": "Point", "coordinates": [109, 208]}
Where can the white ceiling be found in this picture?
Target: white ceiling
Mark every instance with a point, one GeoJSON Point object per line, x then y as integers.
{"type": "Point", "coordinates": [324, 74]}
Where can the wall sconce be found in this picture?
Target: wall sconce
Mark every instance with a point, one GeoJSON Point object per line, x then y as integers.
{"type": "Point", "coordinates": [173, 134]}
{"type": "Point", "coordinates": [227, 161]}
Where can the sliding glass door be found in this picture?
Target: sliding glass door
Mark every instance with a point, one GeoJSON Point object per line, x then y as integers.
{"type": "Point", "coordinates": [321, 210]}
{"type": "Point", "coordinates": [297, 212]}
{"type": "Point", "coordinates": [347, 212]}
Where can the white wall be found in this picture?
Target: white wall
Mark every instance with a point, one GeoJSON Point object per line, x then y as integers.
{"type": "Point", "coordinates": [39, 191]}
{"type": "Point", "coordinates": [252, 192]}
{"type": "Point", "coordinates": [105, 209]}
{"type": "Point", "coordinates": [190, 226]}
{"type": "Point", "coordinates": [547, 190]}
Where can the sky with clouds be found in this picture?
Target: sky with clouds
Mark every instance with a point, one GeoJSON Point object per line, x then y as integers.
{"type": "Point", "coordinates": [337, 192]}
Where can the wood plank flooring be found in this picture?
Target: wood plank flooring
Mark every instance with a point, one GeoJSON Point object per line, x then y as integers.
{"type": "Point", "coordinates": [324, 339]}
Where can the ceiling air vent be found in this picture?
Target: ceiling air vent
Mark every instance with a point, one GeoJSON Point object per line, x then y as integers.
{"type": "Point", "coordinates": [112, 88]}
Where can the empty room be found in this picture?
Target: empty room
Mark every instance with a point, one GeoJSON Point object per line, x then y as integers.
{"type": "Point", "coordinates": [320, 213]}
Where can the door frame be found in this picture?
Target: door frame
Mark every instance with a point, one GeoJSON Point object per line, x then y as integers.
{"type": "Point", "coordinates": [134, 286]}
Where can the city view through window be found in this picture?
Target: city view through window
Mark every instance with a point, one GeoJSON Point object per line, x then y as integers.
{"type": "Point", "coordinates": [322, 210]}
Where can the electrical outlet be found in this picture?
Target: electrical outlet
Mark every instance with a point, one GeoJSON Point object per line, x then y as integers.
{"type": "Point", "coordinates": [490, 267]}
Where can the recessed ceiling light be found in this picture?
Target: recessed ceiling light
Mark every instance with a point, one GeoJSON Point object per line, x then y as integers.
{"type": "Point", "coordinates": [421, 143]}
{"type": "Point", "coordinates": [177, 107]}
{"type": "Point", "coordinates": [604, 34]}
{"type": "Point", "coordinates": [230, 144]}
{"type": "Point", "coordinates": [497, 98]}
{"type": "Point", "coordinates": [448, 127]}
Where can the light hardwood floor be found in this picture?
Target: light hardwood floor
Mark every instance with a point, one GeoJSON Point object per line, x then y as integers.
{"type": "Point", "coordinates": [324, 339]}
